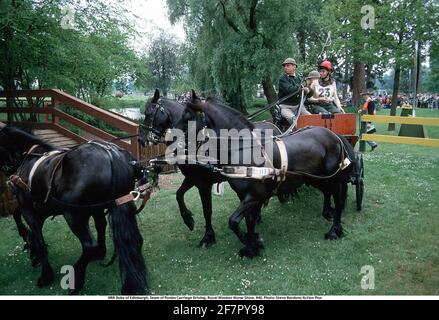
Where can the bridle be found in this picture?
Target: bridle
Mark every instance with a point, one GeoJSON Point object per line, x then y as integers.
{"type": "Point", "coordinates": [149, 121]}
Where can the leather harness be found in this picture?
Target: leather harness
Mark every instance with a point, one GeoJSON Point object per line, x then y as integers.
{"type": "Point", "coordinates": [43, 172]}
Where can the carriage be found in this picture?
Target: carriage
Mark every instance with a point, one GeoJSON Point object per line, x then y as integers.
{"type": "Point", "coordinates": [344, 124]}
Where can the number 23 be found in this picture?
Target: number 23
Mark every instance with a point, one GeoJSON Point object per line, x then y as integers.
{"type": "Point", "coordinates": [324, 92]}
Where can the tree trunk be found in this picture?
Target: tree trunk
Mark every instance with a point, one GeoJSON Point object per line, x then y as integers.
{"type": "Point", "coordinates": [369, 83]}
{"type": "Point", "coordinates": [359, 84]}
{"type": "Point", "coordinates": [346, 77]}
{"type": "Point", "coordinates": [302, 48]}
{"type": "Point", "coordinates": [269, 91]}
{"type": "Point", "coordinates": [396, 78]}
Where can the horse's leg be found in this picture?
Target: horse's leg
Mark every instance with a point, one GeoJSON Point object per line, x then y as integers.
{"type": "Point", "coordinates": [235, 219]}
{"type": "Point", "coordinates": [339, 192]}
{"type": "Point", "coordinates": [186, 214]}
{"type": "Point", "coordinates": [35, 222]}
{"type": "Point", "coordinates": [80, 227]}
{"type": "Point", "coordinates": [28, 238]}
{"type": "Point", "coordinates": [249, 208]}
{"type": "Point", "coordinates": [205, 192]}
{"type": "Point", "coordinates": [101, 225]}
{"type": "Point", "coordinates": [253, 242]}
{"type": "Point", "coordinates": [328, 212]}
{"type": "Point", "coordinates": [22, 229]}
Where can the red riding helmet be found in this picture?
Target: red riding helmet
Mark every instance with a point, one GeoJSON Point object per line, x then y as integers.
{"type": "Point", "coordinates": [326, 65]}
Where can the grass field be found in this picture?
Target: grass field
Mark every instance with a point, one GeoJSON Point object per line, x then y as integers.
{"type": "Point", "coordinates": [397, 233]}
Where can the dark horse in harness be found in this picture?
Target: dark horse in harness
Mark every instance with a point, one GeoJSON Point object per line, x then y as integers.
{"type": "Point", "coordinates": [162, 114]}
{"type": "Point", "coordinates": [85, 182]}
{"type": "Point", "coordinates": [314, 157]}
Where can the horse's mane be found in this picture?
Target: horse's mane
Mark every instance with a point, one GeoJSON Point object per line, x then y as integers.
{"type": "Point", "coordinates": [22, 137]}
{"type": "Point", "coordinates": [173, 103]}
{"type": "Point", "coordinates": [233, 117]}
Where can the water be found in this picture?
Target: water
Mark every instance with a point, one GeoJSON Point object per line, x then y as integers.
{"type": "Point", "coordinates": [132, 113]}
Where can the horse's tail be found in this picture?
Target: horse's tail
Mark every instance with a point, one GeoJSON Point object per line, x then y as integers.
{"type": "Point", "coordinates": [128, 244]}
{"type": "Point", "coordinates": [348, 147]}
{"type": "Point", "coordinates": [344, 182]}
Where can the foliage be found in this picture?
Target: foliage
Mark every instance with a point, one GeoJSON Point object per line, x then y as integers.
{"type": "Point", "coordinates": [162, 61]}
{"type": "Point", "coordinates": [80, 47]}
{"type": "Point", "coordinates": [432, 83]}
{"type": "Point", "coordinates": [235, 44]}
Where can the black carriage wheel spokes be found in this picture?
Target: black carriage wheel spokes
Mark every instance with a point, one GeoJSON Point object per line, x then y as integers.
{"type": "Point", "coordinates": [359, 183]}
{"type": "Point", "coordinates": [359, 188]}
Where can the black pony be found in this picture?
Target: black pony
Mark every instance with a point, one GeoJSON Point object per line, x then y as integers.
{"type": "Point", "coordinates": [83, 183]}
{"type": "Point", "coordinates": [162, 114]}
{"type": "Point", "coordinates": [312, 153]}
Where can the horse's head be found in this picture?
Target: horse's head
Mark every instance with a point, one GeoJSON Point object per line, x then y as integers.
{"type": "Point", "coordinates": [10, 158]}
{"type": "Point", "coordinates": [158, 119]}
{"type": "Point", "coordinates": [14, 143]}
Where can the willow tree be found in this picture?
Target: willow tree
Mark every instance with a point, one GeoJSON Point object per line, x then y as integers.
{"type": "Point", "coordinates": [237, 44]}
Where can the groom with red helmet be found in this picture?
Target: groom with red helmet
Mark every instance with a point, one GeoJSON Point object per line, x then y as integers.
{"type": "Point", "coordinates": [325, 98]}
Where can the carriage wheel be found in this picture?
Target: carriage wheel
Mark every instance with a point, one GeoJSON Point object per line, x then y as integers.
{"type": "Point", "coordinates": [359, 181]}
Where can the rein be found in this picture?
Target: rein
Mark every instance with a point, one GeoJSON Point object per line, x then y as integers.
{"type": "Point", "coordinates": [271, 105]}
{"type": "Point", "coordinates": [125, 137]}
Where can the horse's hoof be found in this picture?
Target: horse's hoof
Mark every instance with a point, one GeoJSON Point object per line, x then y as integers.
{"type": "Point", "coordinates": [331, 236]}
{"type": "Point", "coordinates": [334, 234]}
{"type": "Point", "coordinates": [188, 220]}
{"type": "Point", "coordinates": [207, 241]}
{"type": "Point", "coordinates": [254, 241]}
{"type": "Point", "coordinates": [248, 253]}
{"type": "Point", "coordinates": [45, 281]}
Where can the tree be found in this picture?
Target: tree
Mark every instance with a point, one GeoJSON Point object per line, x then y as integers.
{"type": "Point", "coordinates": [412, 21]}
{"type": "Point", "coordinates": [162, 62]}
{"type": "Point", "coordinates": [237, 44]}
{"type": "Point", "coordinates": [432, 78]}
{"type": "Point", "coordinates": [356, 36]}
{"type": "Point", "coordinates": [78, 46]}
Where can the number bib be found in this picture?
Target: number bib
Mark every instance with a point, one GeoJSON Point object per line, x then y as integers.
{"type": "Point", "coordinates": [321, 91]}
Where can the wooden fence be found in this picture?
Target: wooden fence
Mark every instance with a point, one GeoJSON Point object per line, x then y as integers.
{"type": "Point", "coordinates": [49, 102]}
{"type": "Point", "coordinates": [397, 139]}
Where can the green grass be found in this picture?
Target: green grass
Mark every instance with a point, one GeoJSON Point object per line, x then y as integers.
{"type": "Point", "coordinates": [397, 233]}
